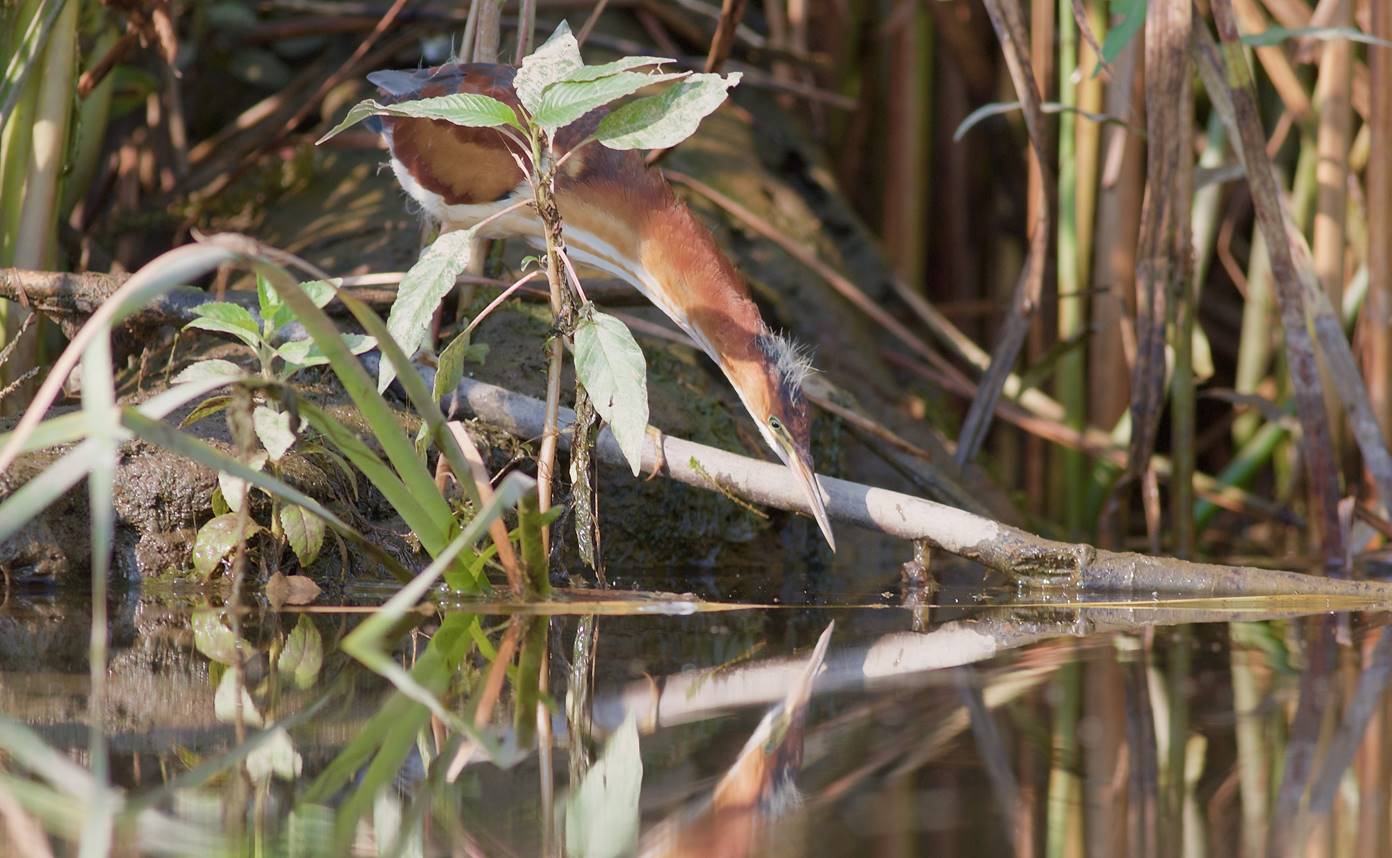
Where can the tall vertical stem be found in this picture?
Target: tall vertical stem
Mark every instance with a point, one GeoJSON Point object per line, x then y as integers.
{"type": "Point", "coordinates": [1378, 309]}
{"type": "Point", "coordinates": [1072, 303]}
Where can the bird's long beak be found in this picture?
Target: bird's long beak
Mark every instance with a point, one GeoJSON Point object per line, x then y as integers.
{"type": "Point", "coordinates": [799, 463]}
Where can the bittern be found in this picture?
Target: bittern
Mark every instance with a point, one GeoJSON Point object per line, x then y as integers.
{"type": "Point", "coordinates": [619, 217]}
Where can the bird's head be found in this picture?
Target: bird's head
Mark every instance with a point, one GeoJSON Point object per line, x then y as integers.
{"type": "Point", "coordinates": [772, 392]}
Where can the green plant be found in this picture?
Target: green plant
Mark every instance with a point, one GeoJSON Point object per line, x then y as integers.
{"type": "Point", "coordinates": [556, 88]}
{"type": "Point", "coordinates": [273, 425]}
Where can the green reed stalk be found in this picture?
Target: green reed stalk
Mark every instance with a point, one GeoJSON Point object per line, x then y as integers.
{"type": "Point", "coordinates": [1071, 383]}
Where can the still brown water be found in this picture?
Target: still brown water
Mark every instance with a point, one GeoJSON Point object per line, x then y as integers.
{"type": "Point", "coordinates": [964, 725]}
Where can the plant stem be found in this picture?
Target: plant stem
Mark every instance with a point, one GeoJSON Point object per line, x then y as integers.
{"type": "Point", "coordinates": [1071, 466]}
{"type": "Point", "coordinates": [564, 308]}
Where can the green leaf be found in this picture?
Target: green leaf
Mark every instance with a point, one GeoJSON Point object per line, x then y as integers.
{"type": "Point", "coordinates": [303, 653]}
{"type": "Point", "coordinates": [662, 121]}
{"type": "Point", "coordinates": [1133, 13]}
{"type": "Point", "coordinates": [610, 364]}
{"type": "Point", "coordinates": [1277, 35]}
{"type": "Point", "coordinates": [306, 353]}
{"type": "Point", "coordinates": [567, 101]}
{"type": "Point", "coordinates": [215, 640]}
{"type": "Point", "coordinates": [420, 293]}
{"type": "Point", "coordinates": [557, 59]}
{"type": "Point", "coordinates": [606, 69]}
{"type": "Point", "coordinates": [304, 531]}
{"type": "Point", "coordinates": [602, 816]}
{"type": "Point", "coordinates": [227, 318]}
{"type": "Point", "coordinates": [435, 524]}
{"type": "Point", "coordinates": [210, 369]}
{"type": "Point", "coordinates": [218, 502]}
{"type": "Point", "coordinates": [215, 540]}
{"type": "Point", "coordinates": [449, 368]}
{"type": "Point", "coordinates": [205, 409]}
{"type": "Point", "coordinates": [460, 108]}
{"type": "Point", "coordinates": [320, 292]}
{"type": "Point", "coordinates": [273, 428]}
{"type": "Point", "coordinates": [269, 303]}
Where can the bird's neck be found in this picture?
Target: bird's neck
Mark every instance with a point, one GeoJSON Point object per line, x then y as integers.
{"type": "Point", "coordinates": [669, 256]}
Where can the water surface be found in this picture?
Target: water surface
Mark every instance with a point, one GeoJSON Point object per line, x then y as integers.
{"type": "Point", "coordinates": [958, 723]}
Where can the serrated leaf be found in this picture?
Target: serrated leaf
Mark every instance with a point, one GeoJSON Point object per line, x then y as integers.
{"type": "Point", "coordinates": [215, 640]}
{"type": "Point", "coordinates": [304, 531]}
{"type": "Point", "coordinates": [606, 69]}
{"type": "Point", "coordinates": [303, 653]}
{"type": "Point", "coordinates": [206, 370]}
{"type": "Point", "coordinates": [273, 428]}
{"type": "Point", "coordinates": [449, 368]}
{"type": "Point", "coordinates": [225, 702]}
{"type": "Point", "coordinates": [664, 120]}
{"type": "Point", "coordinates": [610, 364]}
{"type": "Point", "coordinates": [420, 293]}
{"type": "Point", "coordinates": [320, 292]}
{"type": "Point", "coordinates": [221, 327]}
{"type": "Point", "coordinates": [557, 59]}
{"type": "Point", "coordinates": [602, 816]}
{"type": "Point", "coordinates": [460, 108]}
{"type": "Point", "coordinates": [564, 102]}
{"type": "Point", "coordinates": [215, 540]}
{"type": "Point", "coordinates": [227, 318]}
{"type": "Point", "coordinates": [226, 311]}
{"type": "Point", "coordinates": [234, 488]}
{"type": "Point", "coordinates": [275, 757]}
{"type": "Point", "coordinates": [267, 301]}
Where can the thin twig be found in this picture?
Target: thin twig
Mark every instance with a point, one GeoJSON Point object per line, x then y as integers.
{"type": "Point", "coordinates": [497, 529]}
{"type": "Point", "coordinates": [99, 70]}
{"type": "Point", "coordinates": [493, 305]}
{"type": "Point", "coordinates": [526, 27]}
{"type": "Point", "coordinates": [590, 22]}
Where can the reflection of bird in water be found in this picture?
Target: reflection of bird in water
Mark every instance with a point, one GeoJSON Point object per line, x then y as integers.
{"type": "Point", "coordinates": [756, 790]}
{"type": "Point", "coordinates": [621, 218]}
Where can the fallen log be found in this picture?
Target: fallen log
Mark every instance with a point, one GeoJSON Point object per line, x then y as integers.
{"type": "Point", "coordinates": [1023, 556]}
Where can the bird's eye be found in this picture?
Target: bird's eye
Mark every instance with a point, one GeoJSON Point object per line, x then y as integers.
{"type": "Point", "coordinates": [775, 424]}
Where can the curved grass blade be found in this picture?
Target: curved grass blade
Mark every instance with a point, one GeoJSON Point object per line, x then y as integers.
{"type": "Point", "coordinates": [400, 452]}
{"type": "Point", "coordinates": [365, 643]}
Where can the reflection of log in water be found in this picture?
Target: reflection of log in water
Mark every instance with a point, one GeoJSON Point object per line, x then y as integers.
{"type": "Point", "coordinates": [907, 659]}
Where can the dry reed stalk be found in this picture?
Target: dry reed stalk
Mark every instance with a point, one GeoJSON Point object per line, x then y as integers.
{"type": "Point", "coordinates": [1377, 312]}
{"type": "Point", "coordinates": [1114, 266]}
{"type": "Point", "coordinates": [1274, 60]}
{"type": "Point", "coordinates": [1164, 260]}
{"type": "Point", "coordinates": [1300, 352]}
{"type": "Point", "coordinates": [489, 33]}
{"type": "Point", "coordinates": [1042, 36]}
{"type": "Point", "coordinates": [906, 199]}
{"type": "Point", "coordinates": [1333, 137]}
